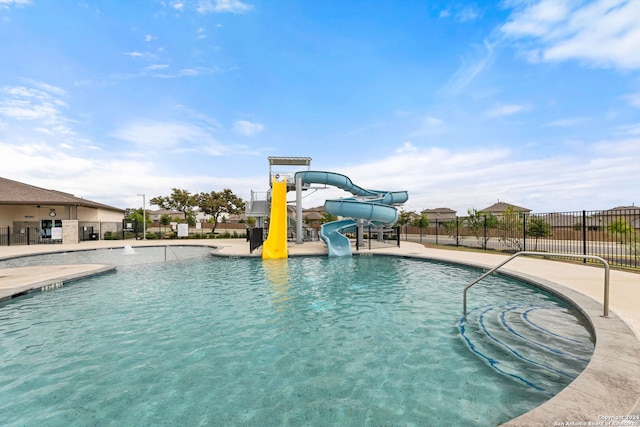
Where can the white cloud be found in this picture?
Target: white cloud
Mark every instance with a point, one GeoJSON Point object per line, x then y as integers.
{"type": "Point", "coordinates": [8, 3]}
{"type": "Point", "coordinates": [538, 19]}
{"type": "Point", "coordinates": [506, 110]}
{"type": "Point", "coordinates": [460, 15]}
{"type": "Point", "coordinates": [477, 177]}
{"type": "Point", "coordinates": [220, 6]}
{"type": "Point", "coordinates": [162, 134]}
{"type": "Point", "coordinates": [247, 128]}
{"type": "Point", "coordinates": [407, 147]}
{"type": "Point", "coordinates": [153, 67]}
{"type": "Point", "coordinates": [566, 122]}
{"type": "Point", "coordinates": [467, 14]}
{"type": "Point", "coordinates": [433, 121]}
{"type": "Point", "coordinates": [23, 103]}
{"type": "Point", "coordinates": [429, 125]}
{"type": "Point", "coordinates": [53, 90]}
{"type": "Point", "coordinates": [602, 33]}
{"type": "Point", "coordinates": [469, 70]}
{"type": "Point", "coordinates": [185, 72]}
{"type": "Point", "coordinates": [633, 99]}
{"type": "Point", "coordinates": [23, 110]}
{"type": "Point", "coordinates": [33, 159]}
{"type": "Point", "coordinates": [145, 55]}
{"type": "Point", "coordinates": [633, 129]}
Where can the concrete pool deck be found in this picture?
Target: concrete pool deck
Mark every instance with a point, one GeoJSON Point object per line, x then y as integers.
{"type": "Point", "coordinates": [607, 392]}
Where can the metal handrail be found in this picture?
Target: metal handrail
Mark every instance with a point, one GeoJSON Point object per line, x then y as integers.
{"type": "Point", "coordinates": [546, 254]}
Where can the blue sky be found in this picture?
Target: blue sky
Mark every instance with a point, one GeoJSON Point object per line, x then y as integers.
{"type": "Point", "coordinates": [531, 102]}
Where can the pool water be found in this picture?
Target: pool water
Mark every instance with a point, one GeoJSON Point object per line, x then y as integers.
{"type": "Point", "coordinates": [202, 340]}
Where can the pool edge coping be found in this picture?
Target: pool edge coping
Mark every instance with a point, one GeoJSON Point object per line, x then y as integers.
{"type": "Point", "coordinates": [57, 278]}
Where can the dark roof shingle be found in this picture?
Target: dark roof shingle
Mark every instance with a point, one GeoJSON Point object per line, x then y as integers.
{"type": "Point", "coordinates": [18, 193]}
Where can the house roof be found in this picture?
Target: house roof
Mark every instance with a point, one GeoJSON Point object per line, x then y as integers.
{"type": "Point", "coordinates": [622, 209]}
{"type": "Point", "coordinates": [501, 207]}
{"type": "Point", "coordinates": [18, 193]}
{"type": "Point", "coordinates": [562, 220]}
{"type": "Point", "coordinates": [316, 209]}
{"type": "Point", "coordinates": [438, 211]}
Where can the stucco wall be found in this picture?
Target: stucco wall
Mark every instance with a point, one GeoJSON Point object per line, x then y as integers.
{"type": "Point", "coordinates": [17, 215]}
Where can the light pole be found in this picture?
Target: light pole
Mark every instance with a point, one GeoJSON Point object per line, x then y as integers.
{"type": "Point", "coordinates": [144, 217]}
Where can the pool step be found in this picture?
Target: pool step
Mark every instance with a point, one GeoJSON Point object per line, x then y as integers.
{"type": "Point", "coordinates": [543, 347]}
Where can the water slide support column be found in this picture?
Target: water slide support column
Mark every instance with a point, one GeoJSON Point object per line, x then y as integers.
{"type": "Point", "coordinates": [299, 235]}
{"type": "Point", "coordinates": [360, 233]}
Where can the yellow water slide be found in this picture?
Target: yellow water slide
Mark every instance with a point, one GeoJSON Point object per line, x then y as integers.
{"type": "Point", "coordinates": [276, 244]}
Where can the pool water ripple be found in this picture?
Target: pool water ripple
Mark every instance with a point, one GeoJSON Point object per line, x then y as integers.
{"type": "Point", "coordinates": [212, 341]}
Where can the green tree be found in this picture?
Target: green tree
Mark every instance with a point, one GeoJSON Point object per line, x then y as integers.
{"type": "Point", "coordinates": [404, 218]}
{"type": "Point", "coordinates": [217, 203]}
{"type": "Point", "coordinates": [179, 200]}
{"type": "Point", "coordinates": [453, 230]}
{"type": "Point", "coordinates": [620, 229]}
{"type": "Point", "coordinates": [478, 222]}
{"type": "Point", "coordinates": [537, 228]}
{"type": "Point", "coordinates": [422, 221]}
{"type": "Point", "coordinates": [511, 227]}
{"type": "Point", "coordinates": [165, 219]}
{"type": "Point", "coordinates": [251, 222]}
{"type": "Point", "coordinates": [137, 216]}
{"type": "Point", "coordinates": [327, 217]}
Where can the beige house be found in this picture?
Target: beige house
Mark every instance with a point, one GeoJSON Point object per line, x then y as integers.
{"type": "Point", "coordinates": [628, 214]}
{"type": "Point", "coordinates": [25, 207]}
{"type": "Point", "coordinates": [156, 215]}
{"type": "Point", "coordinates": [439, 215]}
{"type": "Point", "coordinates": [497, 209]}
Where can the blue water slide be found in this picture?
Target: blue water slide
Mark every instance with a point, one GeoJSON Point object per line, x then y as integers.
{"type": "Point", "coordinates": [332, 235]}
{"type": "Point", "coordinates": [371, 205]}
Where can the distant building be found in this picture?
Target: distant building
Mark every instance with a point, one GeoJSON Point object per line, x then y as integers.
{"type": "Point", "coordinates": [630, 214]}
{"type": "Point", "coordinates": [313, 217]}
{"type": "Point", "coordinates": [439, 214]}
{"type": "Point", "coordinates": [157, 214]}
{"type": "Point", "coordinates": [24, 206]}
{"type": "Point", "coordinates": [497, 209]}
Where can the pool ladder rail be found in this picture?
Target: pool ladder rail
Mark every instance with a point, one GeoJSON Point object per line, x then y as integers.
{"type": "Point", "coordinates": [544, 254]}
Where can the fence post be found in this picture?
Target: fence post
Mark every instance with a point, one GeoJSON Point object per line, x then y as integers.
{"type": "Point", "coordinates": [437, 226]}
{"type": "Point", "coordinates": [8, 236]}
{"type": "Point", "coordinates": [484, 233]}
{"type": "Point", "coordinates": [524, 231]}
{"type": "Point", "coordinates": [457, 231]}
{"type": "Point", "coordinates": [584, 235]}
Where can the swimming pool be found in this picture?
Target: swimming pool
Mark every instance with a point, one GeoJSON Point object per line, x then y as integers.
{"type": "Point", "coordinates": [304, 341]}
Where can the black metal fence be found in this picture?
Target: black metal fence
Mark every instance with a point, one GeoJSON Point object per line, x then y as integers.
{"type": "Point", "coordinates": [15, 236]}
{"type": "Point", "coordinates": [374, 238]}
{"type": "Point", "coordinates": [255, 237]}
{"type": "Point", "coordinates": [613, 235]}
